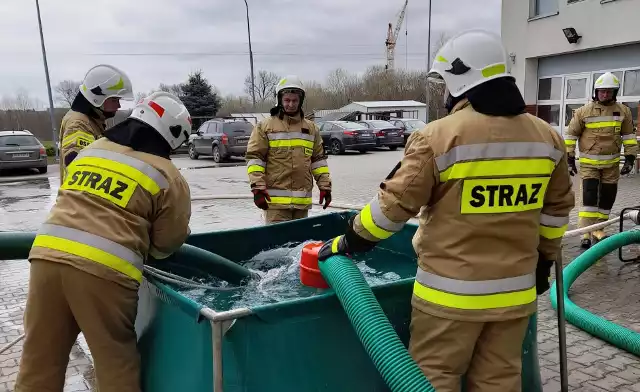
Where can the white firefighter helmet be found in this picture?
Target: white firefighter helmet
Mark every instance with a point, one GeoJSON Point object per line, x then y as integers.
{"type": "Point", "coordinates": [607, 80]}
{"type": "Point", "coordinates": [290, 82]}
{"type": "Point", "coordinates": [106, 81]}
{"type": "Point", "coordinates": [469, 59]}
{"type": "Point", "coordinates": [167, 115]}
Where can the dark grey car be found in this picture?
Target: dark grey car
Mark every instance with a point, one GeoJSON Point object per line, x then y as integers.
{"type": "Point", "coordinates": [338, 136]}
{"type": "Point", "coordinates": [221, 139]}
{"type": "Point", "coordinates": [386, 133]}
{"type": "Point", "coordinates": [408, 126]}
{"type": "Point", "coordinates": [22, 150]}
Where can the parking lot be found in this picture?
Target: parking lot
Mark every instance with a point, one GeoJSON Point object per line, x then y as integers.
{"type": "Point", "coordinates": [594, 365]}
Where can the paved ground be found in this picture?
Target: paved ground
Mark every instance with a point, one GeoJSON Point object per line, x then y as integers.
{"type": "Point", "coordinates": [594, 365]}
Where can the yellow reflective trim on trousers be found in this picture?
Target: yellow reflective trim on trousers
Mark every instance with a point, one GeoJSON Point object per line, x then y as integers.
{"type": "Point", "coordinates": [603, 124]}
{"type": "Point", "coordinates": [492, 70]}
{"type": "Point", "coordinates": [290, 143]}
{"type": "Point", "coordinates": [321, 170]}
{"type": "Point", "coordinates": [630, 142]}
{"type": "Point", "coordinates": [474, 302]}
{"type": "Point", "coordinates": [367, 221]}
{"type": "Point", "coordinates": [88, 252]}
{"type": "Point", "coordinates": [499, 167]}
{"type": "Point", "coordinates": [334, 244]}
{"type": "Point", "coordinates": [589, 214]}
{"type": "Point", "coordinates": [568, 142]}
{"type": "Point", "coordinates": [596, 162]}
{"type": "Point", "coordinates": [552, 233]}
{"type": "Point", "coordinates": [291, 200]}
{"type": "Point", "coordinates": [145, 181]}
{"type": "Point", "coordinates": [255, 168]}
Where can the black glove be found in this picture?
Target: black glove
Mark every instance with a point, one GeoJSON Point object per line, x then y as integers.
{"type": "Point", "coordinates": [345, 244]}
{"type": "Point", "coordinates": [543, 275]}
{"type": "Point", "coordinates": [326, 197]}
{"type": "Point", "coordinates": [571, 160]}
{"type": "Point", "coordinates": [628, 164]}
{"type": "Point", "coordinates": [260, 198]}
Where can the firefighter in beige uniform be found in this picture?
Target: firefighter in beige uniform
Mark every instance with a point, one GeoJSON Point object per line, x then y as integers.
{"type": "Point", "coordinates": [98, 99]}
{"type": "Point", "coordinates": [600, 129]}
{"type": "Point", "coordinates": [497, 195]}
{"type": "Point", "coordinates": [284, 155]}
{"type": "Point", "coordinates": [122, 201]}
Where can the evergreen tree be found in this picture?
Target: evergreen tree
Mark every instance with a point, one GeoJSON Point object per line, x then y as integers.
{"type": "Point", "coordinates": [200, 98]}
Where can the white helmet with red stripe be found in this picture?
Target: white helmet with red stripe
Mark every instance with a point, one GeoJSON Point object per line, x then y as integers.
{"type": "Point", "coordinates": [167, 115]}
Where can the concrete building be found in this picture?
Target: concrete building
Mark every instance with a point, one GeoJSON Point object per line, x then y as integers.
{"type": "Point", "coordinates": [558, 48]}
{"type": "Point", "coordinates": [371, 110]}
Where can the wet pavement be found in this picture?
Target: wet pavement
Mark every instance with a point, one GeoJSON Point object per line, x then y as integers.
{"type": "Point", "coordinates": [594, 365]}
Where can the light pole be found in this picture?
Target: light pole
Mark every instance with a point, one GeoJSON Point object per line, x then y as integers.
{"type": "Point", "coordinates": [253, 80]}
{"type": "Point", "coordinates": [46, 74]}
{"type": "Point", "coordinates": [428, 62]}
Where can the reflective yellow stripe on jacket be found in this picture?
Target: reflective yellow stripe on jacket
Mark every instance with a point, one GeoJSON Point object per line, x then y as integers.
{"type": "Point", "coordinates": [279, 196]}
{"type": "Point", "coordinates": [376, 222]}
{"type": "Point", "coordinates": [112, 176]}
{"type": "Point", "coordinates": [500, 177]}
{"type": "Point", "coordinates": [553, 227]}
{"type": "Point", "coordinates": [290, 139]}
{"type": "Point", "coordinates": [597, 160]}
{"type": "Point", "coordinates": [91, 247]}
{"type": "Point", "coordinates": [256, 165]}
{"type": "Point", "coordinates": [629, 140]}
{"type": "Point", "coordinates": [603, 122]}
{"type": "Point", "coordinates": [80, 138]}
{"type": "Point", "coordinates": [570, 140]}
{"type": "Point", "coordinates": [319, 167]}
{"type": "Point", "coordinates": [475, 295]}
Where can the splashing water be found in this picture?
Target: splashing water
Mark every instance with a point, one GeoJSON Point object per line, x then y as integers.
{"type": "Point", "coordinates": [279, 272]}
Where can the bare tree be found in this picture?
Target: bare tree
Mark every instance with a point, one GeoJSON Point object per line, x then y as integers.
{"type": "Point", "coordinates": [264, 87]}
{"type": "Point", "coordinates": [66, 92]}
{"type": "Point", "coordinates": [175, 89]}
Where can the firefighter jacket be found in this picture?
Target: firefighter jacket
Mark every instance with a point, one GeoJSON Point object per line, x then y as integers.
{"type": "Point", "coordinates": [77, 131]}
{"type": "Point", "coordinates": [284, 155]}
{"type": "Point", "coordinates": [115, 207]}
{"type": "Point", "coordinates": [600, 132]}
{"type": "Point", "coordinates": [492, 192]}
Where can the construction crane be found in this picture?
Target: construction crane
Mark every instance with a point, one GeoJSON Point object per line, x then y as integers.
{"type": "Point", "coordinates": [392, 37]}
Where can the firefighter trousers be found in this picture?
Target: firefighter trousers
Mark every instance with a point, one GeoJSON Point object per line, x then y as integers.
{"type": "Point", "coordinates": [62, 302]}
{"type": "Point", "coordinates": [599, 190]}
{"type": "Point", "coordinates": [489, 353]}
{"type": "Point", "coordinates": [275, 216]}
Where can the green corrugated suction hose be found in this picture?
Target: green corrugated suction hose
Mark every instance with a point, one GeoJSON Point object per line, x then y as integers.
{"type": "Point", "coordinates": [16, 245]}
{"type": "Point", "coordinates": [381, 341]}
{"type": "Point", "coordinates": [617, 335]}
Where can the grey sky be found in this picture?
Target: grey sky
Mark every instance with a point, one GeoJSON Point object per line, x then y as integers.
{"type": "Point", "coordinates": [305, 37]}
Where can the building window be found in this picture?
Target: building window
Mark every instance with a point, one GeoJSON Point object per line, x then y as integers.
{"type": "Point", "coordinates": [542, 7]}
{"type": "Point", "coordinates": [568, 112]}
{"type": "Point", "coordinates": [550, 89]}
{"type": "Point", "coordinates": [634, 112]}
{"type": "Point", "coordinates": [550, 114]}
{"type": "Point", "coordinates": [632, 82]}
{"type": "Point", "coordinates": [576, 88]}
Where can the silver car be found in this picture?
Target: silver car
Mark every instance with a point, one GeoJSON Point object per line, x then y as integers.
{"type": "Point", "coordinates": [22, 150]}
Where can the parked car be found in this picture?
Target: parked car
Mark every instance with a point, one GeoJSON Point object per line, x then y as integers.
{"type": "Point", "coordinates": [182, 149]}
{"type": "Point", "coordinates": [338, 136]}
{"type": "Point", "coordinates": [386, 133]}
{"type": "Point", "coordinates": [408, 126]}
{"type": "Point", "coordinates": [221, 139]}
{"type": "Point", "coordinates": [22, 150]}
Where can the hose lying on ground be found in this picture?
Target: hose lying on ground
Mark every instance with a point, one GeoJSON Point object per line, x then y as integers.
{"type": "Point", "coordinates": [380, 340]}
{"type": "Point", "coordinates": [608, 331]}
